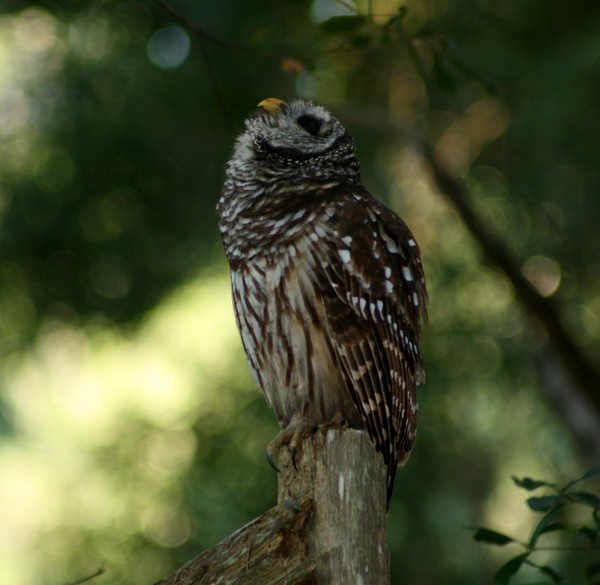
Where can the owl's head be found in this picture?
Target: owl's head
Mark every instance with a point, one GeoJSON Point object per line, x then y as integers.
{"type": "Point", "coordinates": [295, 136]}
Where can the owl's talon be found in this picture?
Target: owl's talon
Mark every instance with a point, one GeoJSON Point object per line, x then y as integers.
{"type": "Point", "coordinates": [292, 437]}
{"type": "Point", "coordinates": [293, 452]}
{"type": "Point", "coordinates": [313, 432]}
{"type": "Point", "coordinates": [271, 462]}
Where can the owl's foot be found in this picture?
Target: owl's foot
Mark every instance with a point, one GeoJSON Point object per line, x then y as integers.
{"type": "Point", "coordinates": [293, 435]}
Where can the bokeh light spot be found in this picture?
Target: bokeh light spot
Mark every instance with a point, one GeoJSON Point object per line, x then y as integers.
{"type": "Point", "coordinates": [110, 277]}
{"type": "Point", "coordinates": [35, 30]}
{"type": "Point", "coordinates": [90, 38]}
{"type": "Point", "coordinates": [543, 273]}
{"type": "Point", "coordinates": [168, 47]}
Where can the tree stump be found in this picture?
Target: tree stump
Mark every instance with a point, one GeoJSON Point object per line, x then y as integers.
{"type": "Point", "coordinates": [329, 527]}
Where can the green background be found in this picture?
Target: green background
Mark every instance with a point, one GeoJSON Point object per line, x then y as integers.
{"type": "Point", "coordinates": [131, 437]}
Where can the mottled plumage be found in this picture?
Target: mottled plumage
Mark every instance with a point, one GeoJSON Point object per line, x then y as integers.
{"type": "Point", "coordinates": [327, 282]}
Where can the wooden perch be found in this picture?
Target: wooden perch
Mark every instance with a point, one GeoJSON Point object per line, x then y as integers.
{"type": "Point", "coordinates": [329, 526]}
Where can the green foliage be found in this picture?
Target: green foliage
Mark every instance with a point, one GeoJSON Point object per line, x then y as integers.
{"type": "Point", "coordinates": [577, 538]}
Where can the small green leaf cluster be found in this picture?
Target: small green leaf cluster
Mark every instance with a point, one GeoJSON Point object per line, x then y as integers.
{"type": "Point", "coordinates": [434, 55]}
{"type": "Point", "coordinates": [554, 507]}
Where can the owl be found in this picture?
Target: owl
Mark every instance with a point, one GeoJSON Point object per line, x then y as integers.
{"type": "Point", "coordinates": [327, 283]}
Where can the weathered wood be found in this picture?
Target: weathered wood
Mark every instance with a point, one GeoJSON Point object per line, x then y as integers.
{"type": "Point", "coordinates": [329, 527]}
{"type": "Point", "coordinates": [341, 472]}
{"type": "Point", "coordinates": [270, 550]}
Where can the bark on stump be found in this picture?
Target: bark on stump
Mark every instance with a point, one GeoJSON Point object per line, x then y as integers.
{"type": "Point", "coordinates": [329, 527]}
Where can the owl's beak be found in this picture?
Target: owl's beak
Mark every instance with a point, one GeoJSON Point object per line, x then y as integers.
{"type": "Point", "coordinates": [272, 105]}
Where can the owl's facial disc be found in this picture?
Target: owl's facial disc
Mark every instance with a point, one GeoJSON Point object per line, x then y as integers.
{"type": "Point", "coordinates": [297, 131]}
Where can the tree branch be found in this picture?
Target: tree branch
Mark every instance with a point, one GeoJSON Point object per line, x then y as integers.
{"type": "Point", "coordinates": [271, 550]}
{"type": "Point", "coordinates": [543, 309]}
{"type": "Point", "coordinates": [206, 36]}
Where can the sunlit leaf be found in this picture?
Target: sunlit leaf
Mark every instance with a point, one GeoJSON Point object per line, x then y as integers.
{"type": "Point", "coordinates": [492, 537]}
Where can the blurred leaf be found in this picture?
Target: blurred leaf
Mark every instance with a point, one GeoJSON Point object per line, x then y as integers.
{"type": "Point", "coordinates": [492, 537]}
{"type": "Point", "coordinates": [506, 571]}
{"type": "Point", "coordinates": [554, 575]}
{"type": "Point", "coordinates": [396, 19]}
{"type": "Point", "coordinates": [586, 499]}
{"type": "Point", "coordinates": [343, 24]}
{"type": "Point", "coordinates": [545, 525]}
{"type": "Point", "coordinates": [553, 527]}
{"type": "Point", "coordinates": [543, 503]}
{"type": "Point", "coordinates": [594, 472]}
{"type": "Point", "coordinates": [549, 571]}
{"type": "Point", "coordinates": [530, 484]}
{"type": "Point", "coordinates": [589, 534]}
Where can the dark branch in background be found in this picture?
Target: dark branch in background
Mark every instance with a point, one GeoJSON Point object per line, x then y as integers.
{"type": "Point", "coordinates": [544, 310]}
{"type": "Point", "coordinates": [99, 572]}
{"type": "Point", "coordinates": [203, 36]}
{"type": "Point", "coordinates": [582, 420]}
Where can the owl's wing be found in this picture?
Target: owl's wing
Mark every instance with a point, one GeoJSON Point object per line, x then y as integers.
{"type": "Point", "coordinates": [374, 301]}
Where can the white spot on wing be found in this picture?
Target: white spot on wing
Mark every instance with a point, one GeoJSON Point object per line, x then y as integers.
{"type": "Point", "coordinates": [389, 243]}
{"type": "Point", "coordinates": [344, 255]}
{"type": "Point", "coordinates": [407, 273]}
{"type": "Point", "coordinates": [320, 231]}
{"type": "Point", "coordinates": [347, 240]}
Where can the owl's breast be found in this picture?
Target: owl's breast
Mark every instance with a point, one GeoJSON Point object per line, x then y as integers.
{"type": "Point", "coordinates": [281, 317]}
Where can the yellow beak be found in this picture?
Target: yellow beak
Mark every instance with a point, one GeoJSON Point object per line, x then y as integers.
{"type": "Point", "coordinates": [271, 105]}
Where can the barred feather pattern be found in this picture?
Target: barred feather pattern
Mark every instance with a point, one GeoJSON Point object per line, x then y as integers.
{"type": "Point", "coordinates": [327, 283]}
